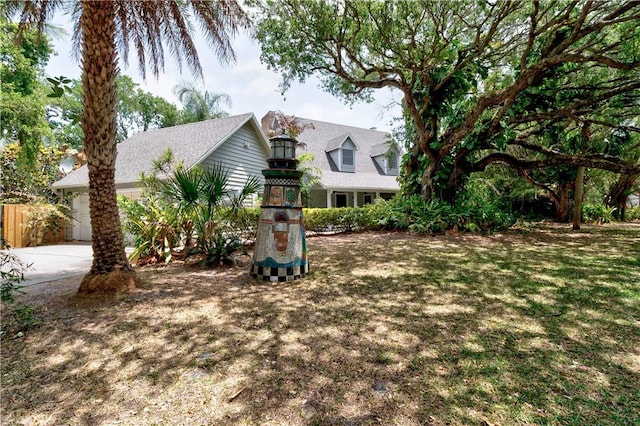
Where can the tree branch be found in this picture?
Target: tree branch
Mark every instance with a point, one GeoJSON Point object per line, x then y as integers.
{"type": "Point", "coordinates": [596, 161]}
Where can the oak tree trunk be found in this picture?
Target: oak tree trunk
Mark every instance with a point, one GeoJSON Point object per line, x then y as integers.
{"type": "Point", "coordinates": [563, 207]}
{"type": "Point", "coordinates": [110, 271]}
{"type": "Point", "coordinates": [619, 194]}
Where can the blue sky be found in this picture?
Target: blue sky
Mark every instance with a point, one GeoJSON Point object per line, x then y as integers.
{"type": "Point", "coordinates": [251, 86]}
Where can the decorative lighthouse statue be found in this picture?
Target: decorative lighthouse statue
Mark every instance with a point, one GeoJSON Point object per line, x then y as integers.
{"type": "Point", "coordinates": [280, 252]}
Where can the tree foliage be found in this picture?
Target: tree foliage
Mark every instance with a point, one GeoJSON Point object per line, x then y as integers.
{"type": "Point", "coordinates": [21, 183]}
{"type": "Point", "coordinates": [483, 82]}
{"type": "Point", "coordinates": [22, 99]}
{"type": "Point", "coordinates": [137, 111]}
{"type": "Point", "coordinates": [200, 106]}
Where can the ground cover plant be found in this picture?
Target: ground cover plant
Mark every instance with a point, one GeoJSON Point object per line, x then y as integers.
{"type": "Point", "coordinates": [535, 326]}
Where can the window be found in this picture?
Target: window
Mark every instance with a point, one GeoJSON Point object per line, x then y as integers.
{"type": "Point", "coordinates": [341, 200]}
{"type": "Point", "coordinates": [392, 161]}
{"type": "Point", "coordinates": [347, 156]}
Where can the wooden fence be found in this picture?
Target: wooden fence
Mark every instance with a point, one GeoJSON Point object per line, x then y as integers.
{"type": "Point", "coordinates": [15, 229]}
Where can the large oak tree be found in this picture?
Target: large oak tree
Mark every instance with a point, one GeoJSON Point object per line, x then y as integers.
{"type": "Point", "coordinates": [105, 31]}
{"type": "Point", "coordinates": [482, 81]}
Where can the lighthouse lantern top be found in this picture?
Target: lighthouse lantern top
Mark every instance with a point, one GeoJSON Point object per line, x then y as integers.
{"type": "Point", "coordinates": [283, 146]}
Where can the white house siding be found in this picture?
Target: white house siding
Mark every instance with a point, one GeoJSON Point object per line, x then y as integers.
{"type": "Point", "coordinates": [242, 156]}
{"type": "Point", "coordinates": [335, 157]}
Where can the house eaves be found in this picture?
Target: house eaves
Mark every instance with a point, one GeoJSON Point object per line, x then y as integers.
{"type": "Point", "coordinates": [359, 182]}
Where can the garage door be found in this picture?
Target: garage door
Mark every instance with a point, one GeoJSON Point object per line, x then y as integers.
{"type": "Point", "coordinates": [82, 220]}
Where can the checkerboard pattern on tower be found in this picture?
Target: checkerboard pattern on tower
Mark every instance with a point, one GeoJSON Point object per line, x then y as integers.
{"type": "Point", "coordinates": [268, 273]}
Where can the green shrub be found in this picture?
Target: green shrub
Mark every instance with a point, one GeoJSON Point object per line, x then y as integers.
{"type": "Point", "coordinates": [475, 217]}
{"type": "Point", "coordinates": [195, 209]}
{"type": "Point", "coordinates": [597, 213]}
{"type": "Point", "coordinates": [481, 208]}
{"type": "Point", "coordinates": [153, 227]}
{"type": "Point", "coordinates": [400, 213]}
{"type": "Point", "coordinates": [215, 245]}
{"type": "Point", "coordinates": [343, 219]}
{"type": "Point", "coordinates": [632, 213]}
{"type": "Point", "coordinates": [320, 220]}
{"type": "Point", "coordinates": [242, 222]}
{"type": "Point", "coordinates": [12, 270]}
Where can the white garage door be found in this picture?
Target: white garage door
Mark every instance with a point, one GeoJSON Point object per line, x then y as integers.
{"type": "Point", "coordinates": [81, 218]}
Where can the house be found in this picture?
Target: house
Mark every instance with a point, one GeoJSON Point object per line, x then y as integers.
{"type": "Point", "coordinates": [357, 165]}
{"type": "Point", "coordinates": [237, 142]}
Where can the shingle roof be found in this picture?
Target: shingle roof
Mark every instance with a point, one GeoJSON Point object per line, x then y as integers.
{"type": "Point", "coordinates": [367, 176]}
{"type": "Point", "coordinates": [190, 143]}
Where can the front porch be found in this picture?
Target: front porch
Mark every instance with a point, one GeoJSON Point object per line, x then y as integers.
{"type": "Point", "coordinates": [327, 198]}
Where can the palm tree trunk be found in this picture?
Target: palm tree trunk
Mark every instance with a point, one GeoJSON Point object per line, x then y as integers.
{"type": "Point", "coordinates": [110, 271]}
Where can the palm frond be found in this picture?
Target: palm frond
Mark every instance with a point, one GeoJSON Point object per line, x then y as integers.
{"type": "Point", "coordinates": [33, 14]}
{"type": "Point", "coordinates": [154, 28]}
{"type": "Point", "coordinates": [150, 27]}
{"type": "Point", "coordinates": [184, 187]}
{"type": "Point", "coordinates": [215, 185]}
{"type": "Point", "coordinates": [251, 186]}
{"type": "Point", "coordinates": [199, 106]}
{"type": "Point", "coordinates": [220, 21]}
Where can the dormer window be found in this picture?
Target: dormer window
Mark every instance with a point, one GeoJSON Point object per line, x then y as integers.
{"type": "Point", "coordinates": [386, 157]}
{"type": "Point", "coordinates": [347, 156]}
{"type": "Point", "coordinates": [342, 152]}
{"type": "Point", "coordinates": [392, 161]}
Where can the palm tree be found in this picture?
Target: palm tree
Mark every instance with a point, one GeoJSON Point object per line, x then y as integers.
{"type": "Point", "coordinates": [198, 106]}
{"type": "Point", "coordinates": [105, 30]}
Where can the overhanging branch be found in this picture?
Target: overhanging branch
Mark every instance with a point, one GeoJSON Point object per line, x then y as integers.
{"type": "Point", "coordinates": [596, 161]}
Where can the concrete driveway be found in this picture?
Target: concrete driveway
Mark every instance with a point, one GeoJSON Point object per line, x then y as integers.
{"type": "Point", "coordinates": [50, 263]}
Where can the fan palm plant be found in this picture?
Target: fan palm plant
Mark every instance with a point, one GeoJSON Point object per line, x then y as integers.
{"type": "Point", "coordinates": [104, 32]}
{"type": "Point", "coordinates": [202, 202]}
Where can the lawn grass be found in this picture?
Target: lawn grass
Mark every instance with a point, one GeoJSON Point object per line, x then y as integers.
{"type": "Point", "coordinates": [536, 326]}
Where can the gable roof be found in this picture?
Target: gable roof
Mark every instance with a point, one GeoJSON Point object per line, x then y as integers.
{"type": "Point", "coordinates": [190, 143]}
{"type": "Point", "coordinates": [383, 148]}
{"type": "Point", "coordinates": [367, 176]}
{"type": "Point", "coordinates": [337, 142]}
